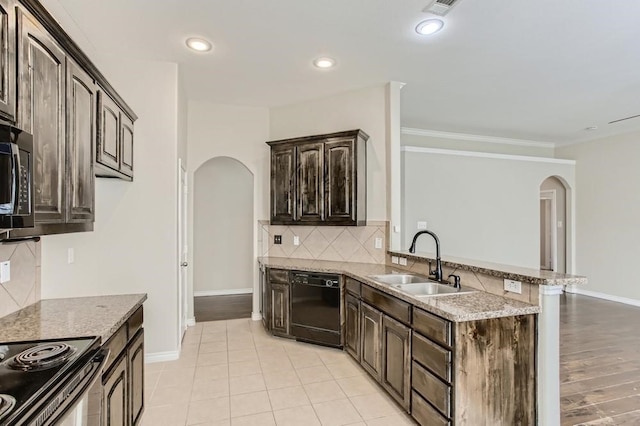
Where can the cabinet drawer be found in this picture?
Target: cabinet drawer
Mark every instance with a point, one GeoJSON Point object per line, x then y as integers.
{"type": "Point", "coordinates": [352, 286]}
{"type": "Point", "coordinates": [432, 388]}
{"type": "Point", "coordinates": [436, 328]}
{"type": "Point", "coordinates": [135, 322]}
{"type": "Point", "coordinates": [391, 306]}
{"type": "Point", "coordinates": [432, 356]}
{"type": "Point", "coordinates": [116, 345]}
{"type": "Point", "coordinates": [424, 413]}
{"type": "Point", "coordinates": [279, 276]}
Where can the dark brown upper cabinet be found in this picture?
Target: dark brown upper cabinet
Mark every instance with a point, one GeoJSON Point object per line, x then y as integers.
{"type": "Point", "coordinates": [7, 60]}
{"type": "Point", "coordinates": [41, 74]}
{"type": "Point", "coordinates": [81, 137]}
{"type": "Point", "coordinates": [114, 151]}
{"type": "Point", "coordinates": [320, 179]}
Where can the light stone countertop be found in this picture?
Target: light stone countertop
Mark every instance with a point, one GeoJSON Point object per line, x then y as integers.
{"type": "Point", "coordinates": [72, 317]}
{"type": "Point", "coordinates": [528, 275]}
{"type": "Point", "coordinates": [475, 305]}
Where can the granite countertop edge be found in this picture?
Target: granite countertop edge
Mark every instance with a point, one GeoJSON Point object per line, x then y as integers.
{"type": "Point", "coordinates": [469, 306]}
{"type": "Point", "coordinates": [99, 316]}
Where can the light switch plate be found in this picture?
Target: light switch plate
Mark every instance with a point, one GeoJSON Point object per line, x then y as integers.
{"type": "Point", "coordinates": [71, 256]}
{"type": "Point", "coordinates": [377, 243]}
{"type": "Point", "coordinates": [296, 240]}
{"type": "Point", "coordinates": [394, 259]}
{"type": "Point", "coordinates": [5, 271]}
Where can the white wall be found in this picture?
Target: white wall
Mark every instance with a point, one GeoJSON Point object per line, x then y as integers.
{"type": "Point", "coordinates": [608, 208]}
{"type": "Point", "coordinates": [364, 109]}
{"type": "Point", "coordinates": [481, 207]}
{"type": "Point", "coordinates": [237, 132]}
{"type": "Point", "coordinates": [223, 221]}
{"type": "Point", "coordinates": [134, 246]}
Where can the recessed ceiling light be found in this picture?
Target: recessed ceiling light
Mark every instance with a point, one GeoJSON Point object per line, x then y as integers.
{"type": "Point", "coordinates": [324, 63]}
{"type": "Point", "coordinates": [430, 26]}
{"type": "Point", "coordinates": [591, 128]}
{"type": "Point", "coordinates": [198, 44]}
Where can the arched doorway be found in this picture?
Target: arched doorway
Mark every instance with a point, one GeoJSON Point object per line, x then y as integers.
{"type": "Point", "coordinates": [223, 240]}
{"type": "Point", "coordinates": [554, 225]}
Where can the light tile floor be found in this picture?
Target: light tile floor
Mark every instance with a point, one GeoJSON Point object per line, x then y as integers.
{"type": "Point", "coordinates": [234, 373]}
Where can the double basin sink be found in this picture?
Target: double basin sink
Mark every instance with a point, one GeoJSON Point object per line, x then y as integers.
{"type": "Point", "coordinates": [416, 285]}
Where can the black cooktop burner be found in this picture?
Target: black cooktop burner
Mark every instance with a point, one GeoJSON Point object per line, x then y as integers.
{"type": "Point", "coordinates": [7, 402]}
{"type": "Point", "coordinates": [41, 357]}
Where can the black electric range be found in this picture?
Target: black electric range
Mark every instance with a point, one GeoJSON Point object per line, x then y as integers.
{"type": "Point", "coordinates": [41, 381]}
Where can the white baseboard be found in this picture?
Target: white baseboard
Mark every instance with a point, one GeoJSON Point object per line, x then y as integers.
{"type": "Point", "coordinates": [256, 316]}
{"type": "Point", "coordinates": [223, 292]}
{"type": "Point", "coordinates": [598, 295]}
{"type": "Point", "coordinates": [191, 321]}
{"type": "Point", "coordinates": [161, 357]}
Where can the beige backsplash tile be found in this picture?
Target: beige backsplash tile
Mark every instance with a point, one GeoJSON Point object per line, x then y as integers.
{"type": "Point", "coordinates": [24, 287]}
{"type": "Point", "coordinates": [337, 243]}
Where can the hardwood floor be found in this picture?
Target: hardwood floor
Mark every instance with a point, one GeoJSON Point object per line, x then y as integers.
{"type": "Point", "coordinates": [217, 308]}
{"type": "Point", "coordinates": [599, 362]}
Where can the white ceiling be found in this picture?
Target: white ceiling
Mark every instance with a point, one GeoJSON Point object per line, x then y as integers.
{"type": "Point", "coordinates": [539, 70]}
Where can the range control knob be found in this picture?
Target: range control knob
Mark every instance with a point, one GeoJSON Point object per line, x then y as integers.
{"type": "Point", "coordinates": [328, 283]}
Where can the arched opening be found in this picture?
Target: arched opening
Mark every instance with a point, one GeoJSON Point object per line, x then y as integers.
{"type": "Point", "coordinates": [555, 222]}
{"type": "Point", "coordinates": [222, 240]}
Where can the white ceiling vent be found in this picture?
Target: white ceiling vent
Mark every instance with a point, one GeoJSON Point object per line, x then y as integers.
{"type": "Point", "coordinates": [441, 7]}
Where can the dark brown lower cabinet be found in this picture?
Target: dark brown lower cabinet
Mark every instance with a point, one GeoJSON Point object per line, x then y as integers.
{"type": "Point", "coordinates": [280, 309]}
{"type": "Point", "coordinates": [396, 360]}
{"type": "Point", "coordinates": [135, 357]}
{"type": "Point", "coordinates": [370, 335]}
{"type": "Point", "coordinates": [115, 394]}
{"type": "Point", "coordinates": [352, 326]}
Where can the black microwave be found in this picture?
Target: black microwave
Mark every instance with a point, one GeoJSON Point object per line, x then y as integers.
{"type": "Point", "coordinates": [16, 178]}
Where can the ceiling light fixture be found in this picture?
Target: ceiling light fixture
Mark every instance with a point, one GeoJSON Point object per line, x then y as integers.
{"type": "Point", "coordinates": [430, 26]}
{"type": "Point", "coordinates": [198, 44]}
{"type": "Point", "coordinates": [324, 63]}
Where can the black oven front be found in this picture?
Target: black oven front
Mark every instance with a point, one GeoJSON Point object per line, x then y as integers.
{"type": "Point", "coordinates": [315, 308]}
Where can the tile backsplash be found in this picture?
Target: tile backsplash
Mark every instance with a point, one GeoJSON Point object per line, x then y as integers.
{"type": "Point", "coordinates": [24, 286]}
{"type": "Point", "coordinates": [337, 243]}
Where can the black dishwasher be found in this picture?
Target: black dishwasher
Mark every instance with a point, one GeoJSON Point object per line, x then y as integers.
{"type": "Point", "coordinates": [315, 308]}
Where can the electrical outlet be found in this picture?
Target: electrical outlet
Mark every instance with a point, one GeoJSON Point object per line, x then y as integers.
{"type": "Point", "coordinates": [377, 243]}
{"type": "Point", "coordinates": [71, 256]}
{"type": "Point", "coordinates": [422, 225]}
{"type": "Point", "coordinates": [296, 240]}
{"type": "Point", "coordinates": [403, 261]}
{"type": "Point", "coordinates": [394, 260]}
{"type": "Point", "coordinates": [5, 271]}
{"type": "Point", "coordinates": [513, 286]}
{"type": "Point", "coordinates": [277, 239]}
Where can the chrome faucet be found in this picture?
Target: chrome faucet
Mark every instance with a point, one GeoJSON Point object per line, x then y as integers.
{"type": "Point", "coordinates": [437, 273]}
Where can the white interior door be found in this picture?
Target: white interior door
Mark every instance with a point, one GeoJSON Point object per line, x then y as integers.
{"type": "Point", "coordinates": [182, 249]}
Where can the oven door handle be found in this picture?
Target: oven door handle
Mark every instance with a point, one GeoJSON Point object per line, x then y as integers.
{"type": "Point", "coordinates": [97, 364]}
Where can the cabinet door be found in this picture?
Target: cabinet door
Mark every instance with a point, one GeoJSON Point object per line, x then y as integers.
{"type": "Point", "coordinates": [280, 308]}
{"type": "Point", "coordinates": [352, 326]}
{"type": "Point", "coordinates": [126, 145]}
{"type": "Point", "coordinates": [41, 71]}
{"type": "Point", "coordinates": [310, 182]}
{"type": "Point", "coordinates": [81, 107]}
{"type": "Point", "coordinates": [115, 395]}
{"type": "Point", "coordinates": [396, 360]}
{"type": "Point", "coordinates": [108, 143]}
{"type": "Point", "coordinates": [7, 60]}
{"type": "Point", "coordinates": [370, 335]}
{"type": "Point", "coordinates": [339, 181]}
{"type": "Point", "coordinates": [135, 357]}
{"type": "Point", "coordinates": [282, 184]}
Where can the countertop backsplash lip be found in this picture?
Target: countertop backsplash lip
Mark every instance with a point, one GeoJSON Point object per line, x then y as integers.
{"type": "Point", "coordinates": [476, 305]}
{"type": "Point", "coordinates": [528, 275]}
{"type": "Point", "coordinates": [98, 316]}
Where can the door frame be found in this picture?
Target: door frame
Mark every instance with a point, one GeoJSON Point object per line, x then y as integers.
{"type": "Point", "coordinates": [183, 249]}
{"type": "Point", "coordinates": [552, 221]}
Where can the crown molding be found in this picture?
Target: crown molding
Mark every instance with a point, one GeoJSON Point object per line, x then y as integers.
{"type": "Point", "coordinates": [422, 150]}
{"type": "Point", "coordinates": [475, 138]}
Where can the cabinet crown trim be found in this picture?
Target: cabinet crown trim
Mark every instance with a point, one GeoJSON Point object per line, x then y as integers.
{"type": "Point", "coordinates": [344, 134]}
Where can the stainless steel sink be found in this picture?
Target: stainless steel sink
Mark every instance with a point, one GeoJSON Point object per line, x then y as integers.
{"type": "Point", "coordinates": [398, 278]}
{"type": "Point", "coordinates": [425, 289]}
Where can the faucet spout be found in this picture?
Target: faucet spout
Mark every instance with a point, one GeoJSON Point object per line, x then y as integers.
{"type": "Point", "coordinates": [437, 273]}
